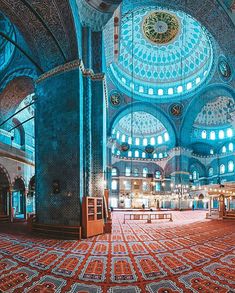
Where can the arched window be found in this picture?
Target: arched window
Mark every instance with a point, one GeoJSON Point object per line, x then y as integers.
{"type": "Point", "coordinates": [143, 155]}
{"type": "Point", "coordinates": [114, 184]}
{"type": "Point", "coordinates": [204, 134]}
{"type": "Point", "coordinates": [145, 141]}
{"type": "Point", "coordinates": [128, 171]}
{"type": "Point", "coordinates": [155, 156]}
{"type": "Point", "coordinates": [229, 132]}
{"type": "Point", "coordinates": [129, 154]}
{"type": "Point", "coordinates": [114, 171]}
{"type": "Point", "coordinates": [136, 172]}
{"type": "Point", "coordinates": [157, 174]}
{"type": "Point", "coordinates": [212, 135]}
{"type": "Point", "coordinates": [222, 169]}
{"type": "Point", "coordinates": [123, 138]}
{"type": "Point", "coordinates": [152, 141]}
{"type": "Point", "coordinates": [159, 139]}
{"type": "Point", "coordinates": [137, 141]}
{"type": "Point", "coordinates": [137, 154]}
{"type": "Point", "coordinates": [130, 140]}
{"type": "Point", "coordinates": [221, 134]}
{"type": "Point", "coordinates": [118, 135]}
{"type": "Point", "coordinates": [211, 152]}
{"type": "Point", "coordinates": [230, 147]}
{"type": "Point", "coordinates": [127, 185]}
{"type": "Point", "coordinates": [160, 155]}
{"type": "Point", "coordinates": [230, 166]}
{"type": "Point", "coordinates": [141, 89]}
{"type": "Point", "coordinates": [195, 175]}
{"type": "Point", "coordinates": [211, 171]}
{"type": "Point", "coordinates": [158, 186]}
{"type": "Point", "coordinates": [224, 149]}
{"type": "Point", "coordinates": [166, 136]}
{"type": "Point", "coordinates": [19, 133]}
{"type": "Point", "coordinates": [145, 172]}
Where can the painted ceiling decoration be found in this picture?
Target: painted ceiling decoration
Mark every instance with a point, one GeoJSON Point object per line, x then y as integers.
{"type": "Point", "coordinates": [216, 113]}
{"type": "Point", "coordinates": [224, 69]}
{"type": "Point", "coordinates": [47, 27]}
{"type": "Point", "coordinates": [160, 27]}
{"type": "Point", "coordinates": [164, 54]}
{"type": "Point", "coordinates": [140, 124]}
{"type": "Point", "coordinates": [6, 48]}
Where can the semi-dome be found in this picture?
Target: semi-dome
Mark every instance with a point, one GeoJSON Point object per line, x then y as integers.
{"type": "Point", "coordinates": [216, 113]}
{"type": "Point", "coordinates": [139, 124]}
{"type": "Point", "coordinates": [6, 47]}
{"type": "Point", "coordinates": [215, 121]}
{"type": "Point", "coordinates": [163, 54]}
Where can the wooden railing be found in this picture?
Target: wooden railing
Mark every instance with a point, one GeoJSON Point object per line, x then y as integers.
{"type": "Point", "coordinates": [148, 217]}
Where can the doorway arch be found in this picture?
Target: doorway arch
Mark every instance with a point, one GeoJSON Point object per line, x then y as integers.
{"type": "Point", "coordinates": [18, 199]}
{"type": "Point", "coordinates": [4, 191]}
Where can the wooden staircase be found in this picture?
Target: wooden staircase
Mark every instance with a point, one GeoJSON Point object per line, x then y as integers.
{"type": "Point", "coordinates": [5, 219]}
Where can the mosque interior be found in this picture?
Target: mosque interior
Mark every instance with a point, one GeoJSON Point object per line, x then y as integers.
{"type": "Point", "coordinates": [114, 109]}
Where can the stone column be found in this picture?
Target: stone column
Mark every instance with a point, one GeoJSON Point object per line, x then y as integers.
{"type": "Point", "coordinates": [86, 56]}
{"type": "Point", "coordinates": [209, 206]}
{"type": "Point", "coordinates": [59, 146]}
{"type": "Point", "coordinates": [228, 202]}
{"type": "Point", "coordinates": [98, 119]}
{"type": "Point", "coordinates": [221, 206]}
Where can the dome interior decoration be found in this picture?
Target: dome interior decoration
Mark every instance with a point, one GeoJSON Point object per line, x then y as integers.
{"type": "Point", "coordinates": [139, 134]}
{"type": "Point", "coordinates": [140, 124]}
{"type": "Point", "coordinates": [160, 27]}
{"type": "Point", "coordinates": [216, 113]}
{"type": "Point", "coordinates": [164, 54]}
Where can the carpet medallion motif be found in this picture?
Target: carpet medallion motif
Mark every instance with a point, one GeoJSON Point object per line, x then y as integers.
{"type": "Point", "coordinates": [189, 255]}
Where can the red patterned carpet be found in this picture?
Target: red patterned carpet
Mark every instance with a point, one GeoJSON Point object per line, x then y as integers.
{"type": "Point", "coordinates": [190, 254]}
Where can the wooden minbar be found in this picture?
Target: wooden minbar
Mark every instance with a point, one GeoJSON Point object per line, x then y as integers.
{"type": "Point", "coordinates": [92, 216]}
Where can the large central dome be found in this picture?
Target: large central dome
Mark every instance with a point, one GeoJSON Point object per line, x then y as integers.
{"type": "Point", "coordinates": [163, 54]}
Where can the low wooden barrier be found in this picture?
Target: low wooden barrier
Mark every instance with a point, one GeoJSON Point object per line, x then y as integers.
{"type": "Point", "coordinates": [148, 217]}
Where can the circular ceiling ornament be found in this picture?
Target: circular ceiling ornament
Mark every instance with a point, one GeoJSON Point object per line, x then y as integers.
{"type": "Point", "coordinates": [125, 147]}
{"type": "Point", "coordinates": [176, 110]}
{"type": "Point", "coordinates": [224, 69]}
{"type": "Point", "coordinates": [160, 27]}
{"type": "Point", "coordinates": [149, 149]}
{"type": "Point", "coordinates": [115, 98]}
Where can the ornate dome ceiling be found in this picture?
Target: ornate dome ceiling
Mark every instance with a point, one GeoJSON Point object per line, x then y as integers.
{"type": "Point", "coordinates": [219, 112]}
{"type": "Point", "coordinates": [163, 54]}
{"type": "Point", "coordinates": [6, 48]}
{"type": "Point", "coordinates": [140, 124]}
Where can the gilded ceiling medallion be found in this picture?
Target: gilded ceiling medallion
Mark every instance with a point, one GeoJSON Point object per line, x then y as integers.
{"type": "Point", "coordinates": [161, 27]}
